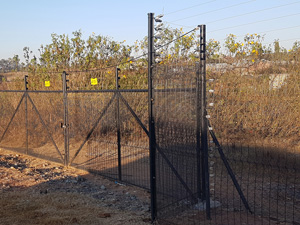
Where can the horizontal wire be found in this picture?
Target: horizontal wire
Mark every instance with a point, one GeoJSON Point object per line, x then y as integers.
{"type": "Point", "coordinates": [262, 10]}
{"type": "Point", "coordinates": [180, 10]}
{"type": "Point", "coordinates": [231, 17]}
{"type": "Point", "coordinates": [291, 39]}
{"type": "Point", "coordinates": [268, 31]}
{"type": "Point", "coordinates": [213, 11]}
{"type": "Point", "coordinates": [279, 17]}
{"type": "Point", "coordinates": [177, 38]}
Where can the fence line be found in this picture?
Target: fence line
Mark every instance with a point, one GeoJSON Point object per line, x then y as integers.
{"type": "Point", "coordinates": [214, 143]}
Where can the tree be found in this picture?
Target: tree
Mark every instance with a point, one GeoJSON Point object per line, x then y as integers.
{"type": "Point", "coordinates": [16, 60]}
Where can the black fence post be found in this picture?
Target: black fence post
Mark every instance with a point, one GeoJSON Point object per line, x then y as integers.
{"type": "Point", "coordinates": [65, 124]}
{"type": "Point", "coordinates": [118, 124]}
{"type": "Point", "coordinates": [204, 125]}
{"type": "Point", "coordinates": [152, 141]}
{"type": "Point", "coordinates": [26, 111]}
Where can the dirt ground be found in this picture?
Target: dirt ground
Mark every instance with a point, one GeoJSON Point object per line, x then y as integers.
{"type": "Point", "coordinates": [35, 191]}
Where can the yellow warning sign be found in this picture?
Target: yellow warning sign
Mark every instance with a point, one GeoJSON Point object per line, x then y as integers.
{"type": "Point", "coordinates": [47, 83]}
{"type": "Point", "coordinates": [94, 81]}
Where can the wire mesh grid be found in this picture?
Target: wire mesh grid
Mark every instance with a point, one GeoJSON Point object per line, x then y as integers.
{"type": "Point", "coordinates": [253, 116]}
{"type": "Point", "coordinates": [175, 105]}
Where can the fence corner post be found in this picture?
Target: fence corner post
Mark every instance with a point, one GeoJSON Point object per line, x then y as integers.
{"type": "Point", "coordinates": [204, 124]}
{"type": "Point", "coordinates": [152, 141]}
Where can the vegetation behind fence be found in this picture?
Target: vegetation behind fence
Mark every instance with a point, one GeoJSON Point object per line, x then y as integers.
{"type": "Point", "coordinates": [253, 105]}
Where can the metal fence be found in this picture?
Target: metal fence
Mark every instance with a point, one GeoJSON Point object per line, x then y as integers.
{"type": "Point", "coordinates": [103, 131]}
{"type": "Point", "coordinates": [212, 143]}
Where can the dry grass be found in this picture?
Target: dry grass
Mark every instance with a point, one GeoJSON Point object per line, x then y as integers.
{"type": "Point", "coordinates": [28, 207]}
{"type": "Point", "coordinates": [27, 198]}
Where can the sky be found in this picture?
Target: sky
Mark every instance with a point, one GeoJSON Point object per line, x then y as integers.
{"type": "Point", "coordinates": [30, 23]}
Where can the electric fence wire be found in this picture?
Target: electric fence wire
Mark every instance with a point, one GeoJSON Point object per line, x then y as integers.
{"type": "Point", "coordinates": [175, 39]}
{"type": "Point", "coordinates": [269, 31]}
{"type": "Point", "coordinates": [231, 17]}
{"type": "Point", "coordinates": [245, 24]}
{"type": "Point", "coordinates": [231, 6]}
{"type": "Point", "coordinates": [191, 7]}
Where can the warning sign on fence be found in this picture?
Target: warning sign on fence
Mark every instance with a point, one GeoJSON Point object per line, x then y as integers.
{"type": "Point", "coordinates": [47, 83]}
{"type": "Point", "coordinates": [94, 81]}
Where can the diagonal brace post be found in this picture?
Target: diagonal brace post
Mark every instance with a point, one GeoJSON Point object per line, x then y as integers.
{"type": "Point", "coordinates": [176, 173]}
{"type": "Point", "coordinates": [229, 170]}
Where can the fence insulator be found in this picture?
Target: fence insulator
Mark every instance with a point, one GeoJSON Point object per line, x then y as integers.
{"type": "Point", "coordinates": [159, 16]}
{"type": "Point", "coordinates": [207, 116]}
{"type": "Point", "coordinates": [211, 175]}
{"type": "Point", "coordinates": [211, 104]}
{"type": "Point", "coordinates": [158, 60]}
{"type": "Point", "coordinates": [157, 37]}
{"type": "Point", "coordinates": [159, 26]}
{"type": "Point", "coordinates": [158, 33]}
{"type": "Point", "coordinates": [157, 20]}
{"type": "Point", "coordinates": [211, 91]}
{"type": "Point", "coordinates": [210, 128]}
{"type": "Point", "coordinates": [211, 80]}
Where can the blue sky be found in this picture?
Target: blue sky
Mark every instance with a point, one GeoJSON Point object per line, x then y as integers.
{"type": "Point", "coordinates": [31, 22]}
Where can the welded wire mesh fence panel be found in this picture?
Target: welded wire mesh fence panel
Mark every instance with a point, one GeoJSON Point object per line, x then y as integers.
{"type": "Point", "coordinates": [175, 106]}
{"type": "Point", "coordinates": [254, 113]}
{"type": "Point", "coordinates": [107, 136]}
{"type": "Point", "coordinates": [44, 117]}
{"type": "Point", "coordinates": [92, 137]}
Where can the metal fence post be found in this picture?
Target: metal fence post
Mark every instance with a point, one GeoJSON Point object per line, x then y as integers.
{"type": "Point", "coordinates": [204, 125]}
{"type": "Point", "coordinates": [65, 124]}
{"type": "Point", "coordinates": [152, 141]}
{"type": "Point", "coordinates": [26, 110]}
{"type": "Point", "coordinates": [118, 124]}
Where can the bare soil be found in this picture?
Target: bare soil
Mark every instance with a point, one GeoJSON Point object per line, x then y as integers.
{"type": "Point", "coordinates": [36, 191]}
